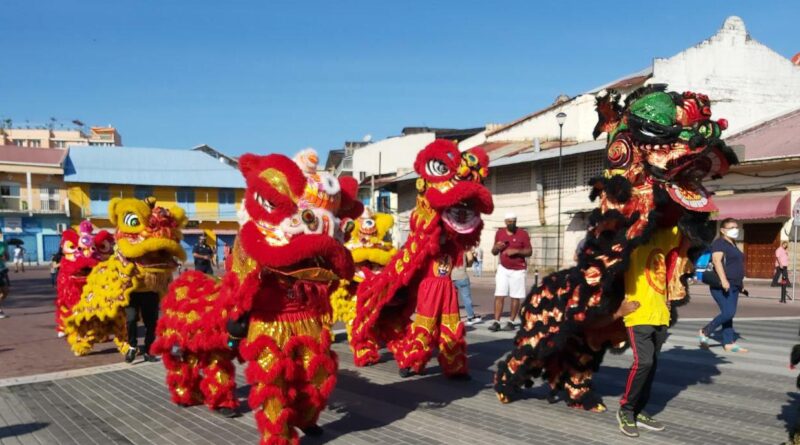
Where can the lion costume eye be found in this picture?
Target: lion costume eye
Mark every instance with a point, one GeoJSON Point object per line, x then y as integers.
{"type": "Point", "coordinates": [368, 223]}
{"type": "Point", "coordinates": [435, 167]}
{"type": "Point", "coordinates": [268, 206]}
{"type": "Point", "coordinates": [329, 184]}
{"type": "Point", "coordinates": [69, 248]}
{"type": "Point", "coordinates": [131, 219]}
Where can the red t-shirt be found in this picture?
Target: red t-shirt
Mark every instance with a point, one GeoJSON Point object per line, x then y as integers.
{"type": "Point", "coordinates": [519, 240]}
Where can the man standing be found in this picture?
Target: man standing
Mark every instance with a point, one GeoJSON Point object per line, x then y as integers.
{"type": "Point", "coordinates": [203, 256]}
{"type": "Point", "coordinates": [461, 281]}
{"type": "Point", "coordinates": [19, 258]}
{"type": "Point", "coordinates": [513, 245]}
{"type": "Point", "coordinates": [781, 264]}
{"type": "Point", "coordinates": [477, 266]}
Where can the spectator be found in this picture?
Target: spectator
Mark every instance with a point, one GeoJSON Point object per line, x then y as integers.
{"type": "Point", "coordinates": [19, 258]}
{"type": "Point", "coordinates": [728, 263]}
{"type": "Point", "coordinates": [4, 282]}
{"type": "Point", "coordinates": [461, 282]}
{"type": "Point", "coordinates": [55, 263]}
{"type": "Point", "coordinates": [781, 264]}
{"type": "Point", "coordinates": [513, 245]}
{"type": "Point", "coordinates": [226, 252]}
{"type": "Point", "coordinates": [477, 265]}
{"type": "Point", "coordinates": [203, 256]}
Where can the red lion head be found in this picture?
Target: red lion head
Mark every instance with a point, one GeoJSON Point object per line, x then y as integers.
{"type": "Point", "coordinates": [295, 216]}
{"type": "Point", "coordinates": [451, 189]}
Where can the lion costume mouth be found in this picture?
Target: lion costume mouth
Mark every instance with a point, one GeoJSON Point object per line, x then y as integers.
{"type": "Point", "coordinates": [461, 218]}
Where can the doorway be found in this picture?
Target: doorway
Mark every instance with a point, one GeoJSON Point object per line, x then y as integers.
{"type": "Point", "coordinates": [760, 242]}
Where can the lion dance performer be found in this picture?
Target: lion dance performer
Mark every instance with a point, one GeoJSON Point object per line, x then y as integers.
{"type": "Point", "coordinates": [445, 222]}
{"type": "Point", "coordinates": [650, 226]}
{"type": "Point", "coordinates": [81, 252]}
{"type": "Point", "coordinates": [287, 259]}
{"type": "Point", "coordinates": [371, 248]}
{"type": "Point", "coordinates": [148, 242]}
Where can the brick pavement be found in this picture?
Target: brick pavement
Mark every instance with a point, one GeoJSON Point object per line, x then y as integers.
{"type": "Point", "coordinates": [704, 397]}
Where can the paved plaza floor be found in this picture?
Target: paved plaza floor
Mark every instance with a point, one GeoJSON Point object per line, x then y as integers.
{"type": "Point", "coordinates": [703, 396]}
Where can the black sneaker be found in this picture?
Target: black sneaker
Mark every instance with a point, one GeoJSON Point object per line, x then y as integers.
{"type": "Point", "coordinates": [149, 358]}
{"type": "Point", "coordinates": [313, 430]}
{"type": "Point", "coordinates": [494, 327]}
{"type": "Point", "coordinates": [406, 372]}
{"type": "Point", "coordinates": [645, 421]}
{"type": "Point", "coordinates": [130, 355]}
{"type": "Point", "coordinates": [230, 413]}
{"type": "Point", "coordinates": [627, 425]}
{"type": "Point", "coordinates": [509, 326]}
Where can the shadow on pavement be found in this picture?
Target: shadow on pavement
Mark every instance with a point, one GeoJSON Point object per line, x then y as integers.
{"type": "Point", "coordinates": [20, 429]}
{"type": "Point", "coordinates": [789, 413]}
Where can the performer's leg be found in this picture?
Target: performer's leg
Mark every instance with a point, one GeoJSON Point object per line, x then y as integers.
{"type": "Point", "coordinates": [315, 366]}
{"type": "Point", "coordinates": [131, 317]}
{"type": "Point", "coordinates": [269, 371]}
{"type": "Point", "coordinates": [149, 308]}
{"type": "Point", "coordinates": [452, 341]}
{"type": "Point", "coordinates": [219, 383]}
{"type": "Point", "coordinates": [183, 379]}
{"type": "Point", "coordinates": [414, 351]}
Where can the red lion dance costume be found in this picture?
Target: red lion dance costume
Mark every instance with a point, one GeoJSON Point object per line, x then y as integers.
{"type": "Point", "coordinates": [81, 252]}
{"type": "Point", "coordinates": [287, 259]}
{"type": "Point", "coordinates": [445, 222]}
{"type": "Point", "coordinates": [651, 225]}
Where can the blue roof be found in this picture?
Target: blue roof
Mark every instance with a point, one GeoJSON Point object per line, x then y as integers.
{"type": "Point", "coordinates": [149, 166]}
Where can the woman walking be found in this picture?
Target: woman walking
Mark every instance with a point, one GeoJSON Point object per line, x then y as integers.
{"type": "Point", "coordinates": [728, 263]}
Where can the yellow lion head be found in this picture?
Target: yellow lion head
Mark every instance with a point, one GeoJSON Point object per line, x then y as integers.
{"type": "Point", "coordinates": [370, 241]}
{"type": "Point", "coordinates": [148, 235]}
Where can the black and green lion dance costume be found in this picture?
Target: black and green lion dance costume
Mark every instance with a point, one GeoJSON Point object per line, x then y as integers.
{"type": "Point", "coordinates": [661, 146]}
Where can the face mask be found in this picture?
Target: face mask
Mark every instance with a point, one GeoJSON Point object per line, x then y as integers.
{"type": "Point", "coordinates": [733, 233]}
{"type": "Point", "coordinates": [511, 227]}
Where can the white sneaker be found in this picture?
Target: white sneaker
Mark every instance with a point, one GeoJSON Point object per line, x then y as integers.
{"type": "Point", "coordinates": [61, 334]}
{"type": "Point", "coordinates": [475, 319]}
{"type": "Point", "coordinates": [3, 315]}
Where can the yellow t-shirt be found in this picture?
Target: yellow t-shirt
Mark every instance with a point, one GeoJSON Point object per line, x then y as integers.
{"type": "Point", "coordinates": [646, 279]}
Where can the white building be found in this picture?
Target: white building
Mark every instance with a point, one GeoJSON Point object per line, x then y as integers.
{"type": "Point", "coordinates": [747, 82]}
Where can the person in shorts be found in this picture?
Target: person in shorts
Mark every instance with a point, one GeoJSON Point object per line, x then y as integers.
{"type": "Point", "coordinates": [19, 258]}
{"type": "Point", "coordinates": [513, 246]}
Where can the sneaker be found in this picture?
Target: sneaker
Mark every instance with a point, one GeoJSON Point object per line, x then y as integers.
{"type": "Point", "coordinates": [627, 425]}
{"type": "Point", "coordinates": [494, 327]}
{"type": "Point", "coordinates": [509, 326]}
{"type": "Point", "coordinates": [405, 372]}
{"type": "Point", "coordinates": [130, 355]}
{"type": "Point", "coordinates": [149, 358]}
{"type": "Point", "coordinates": [229, 413]}
{"type": "Point", "coordinates": [3, 315]}
{"type": "Point", "coordinates": [649, 423]}
{"type": "Point", "coordinates": [475, 319]}
{"type": "Point", "coordinates": [313, 430]}
{"type": "Point", "coordinates": [61, 334]}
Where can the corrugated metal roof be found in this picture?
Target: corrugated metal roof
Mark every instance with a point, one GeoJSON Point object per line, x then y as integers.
{"type": "Point", "coordinates": [149, 166]}
{"type": "Point", "coordinates": [773, 138]}
{"type": "Point", "coordinates": [50, 157]}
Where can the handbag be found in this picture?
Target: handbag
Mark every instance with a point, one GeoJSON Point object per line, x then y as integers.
{"type": "Point", "coordinates": [711, 277]}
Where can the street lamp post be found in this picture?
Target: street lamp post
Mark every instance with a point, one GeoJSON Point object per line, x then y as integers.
{"type": "Point", "coordinates": [560, 118]}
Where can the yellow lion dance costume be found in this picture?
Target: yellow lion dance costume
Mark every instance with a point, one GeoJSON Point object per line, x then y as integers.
{"type": "Point", "coordinates": [148, 241]}
{"type": "Point", "coordinates": [371, 247]}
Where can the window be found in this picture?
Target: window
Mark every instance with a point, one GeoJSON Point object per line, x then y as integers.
{"type": "Point", "coordinates": [36, 143]}
{"type": "Point", "coordinates": [513, 179]}
{"type": "Point", "coordinates": [99, 196]}
{"type": "Point", "coordinates": [185, 199]}
{"type": "Point", "coordinates": [49, 199]}
{"type": "Point", "coordinates": [227, 203]}
{"type": "Point", "coordinates": [592, 167]}
{"type": "Point", "coordinates": [60, 144]}
{"type": "Point", "coordinates": [384, 201]}
{"type": "Point", "coordinates": [567, 179]}
{"type": "Point", "coordinates": [19, 142]}
{"type": "Point", "coordinates": [142, 191]}
{"type": "Point", "coordinates": [10, 196]}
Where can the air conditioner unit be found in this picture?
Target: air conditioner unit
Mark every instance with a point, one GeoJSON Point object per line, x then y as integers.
{"type": "Point", "coordinates": [61, 227]}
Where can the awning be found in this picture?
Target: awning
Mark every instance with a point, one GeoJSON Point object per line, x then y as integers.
{"type": "Point", "coordinates": [747, 206]}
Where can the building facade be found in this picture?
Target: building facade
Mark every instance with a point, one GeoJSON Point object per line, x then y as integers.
{"type": "Point", "coordinates": [207, 187]}
{"type": "Point", "coordinates": [33, 196]}
{"type": "Point", "coordinates": [50, 138]}
{"type": "Point", "coordinates": [748, 82]}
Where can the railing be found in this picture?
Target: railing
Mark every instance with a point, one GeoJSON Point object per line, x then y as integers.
{"type": "Point", "coordinates": [12, 204]}
{"type": "Point", "coordinates": [50, 206]}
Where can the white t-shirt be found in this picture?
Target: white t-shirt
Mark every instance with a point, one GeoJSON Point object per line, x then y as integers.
{"type": "Point", "coordinates": [18, 253]}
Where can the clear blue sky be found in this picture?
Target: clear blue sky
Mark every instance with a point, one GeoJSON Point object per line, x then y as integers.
{"type": "Point", "coordinates": [266, 76]}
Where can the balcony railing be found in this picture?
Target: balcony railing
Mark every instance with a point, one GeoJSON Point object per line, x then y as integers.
{"type": "Point", "coordinates": [19, 205]}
